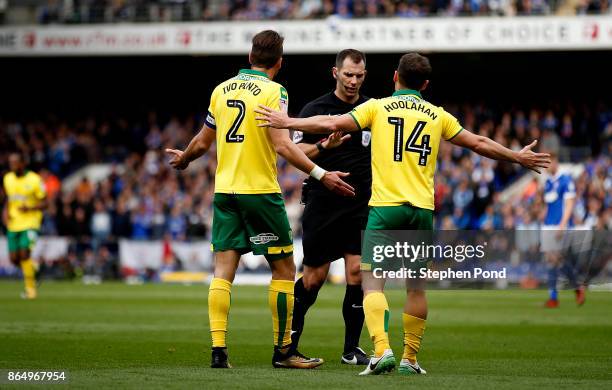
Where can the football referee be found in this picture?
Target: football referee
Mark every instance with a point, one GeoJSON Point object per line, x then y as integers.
{"type": "Point", "coordinates": [332, 224]}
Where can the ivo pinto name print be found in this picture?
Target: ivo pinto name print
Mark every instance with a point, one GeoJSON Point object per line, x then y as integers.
{"type": "Point", "coordinates": [248, 86]}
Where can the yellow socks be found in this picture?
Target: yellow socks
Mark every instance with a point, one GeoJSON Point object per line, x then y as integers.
{"type": "Point", "coordinates": [280, 300]}
{"type": "Point", "coordinates": [376, 312]}
{"type": "Point", "coordinates": [414, 328]}
{"type": "Point", "coordinates": [27, 268]}
{"type": "Point", "coordinates": [219, 298]}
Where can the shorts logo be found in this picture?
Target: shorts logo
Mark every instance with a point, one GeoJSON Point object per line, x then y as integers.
{"type": "Point", "coordinates": [263, 238]}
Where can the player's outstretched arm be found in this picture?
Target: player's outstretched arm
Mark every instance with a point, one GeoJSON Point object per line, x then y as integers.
{"type": "Point", "coordinates": [197, 147]}
{"type": "Point", "coordinates": [491, 149]}
{"type": "Point", "coordinates": [296, 157]}
{"type": "Point", "coordinates": [313, 124]}
{"type": "Point", "coordinates": [336, 139]}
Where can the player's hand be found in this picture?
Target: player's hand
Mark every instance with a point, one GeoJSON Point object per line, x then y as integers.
{"type": "Point", "coordinates": [334, 183]}
{"type": "Point", "coordinates": [335, 139]}
{"type": "Point", "coordinates": [531, 160]}
{"type": "Point", "coordinates": [272, 118]}
{"type": "Point", "coordinates": [176, 160]}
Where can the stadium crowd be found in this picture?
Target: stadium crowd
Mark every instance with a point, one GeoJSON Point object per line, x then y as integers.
{"type": "Point", "coordinates": [109, 11]}
{"type": "Point", "coordinates": [143, 198]}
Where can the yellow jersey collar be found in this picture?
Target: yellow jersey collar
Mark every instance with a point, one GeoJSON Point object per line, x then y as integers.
{"type": "Point", "coordinates": [254, 72]}
{"type": "Point", "coordinates": [407, 92]}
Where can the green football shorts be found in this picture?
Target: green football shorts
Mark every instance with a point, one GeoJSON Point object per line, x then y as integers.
{"type": "Point", "coordinates": [25, 239]}
{"type": "Point", "coordinates": [383, 221]}
{"type": "Point", "coordinates": [251, 222]}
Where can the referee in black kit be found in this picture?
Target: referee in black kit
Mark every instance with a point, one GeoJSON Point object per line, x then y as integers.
{"type": "Point", "coordinates": [332, 224]}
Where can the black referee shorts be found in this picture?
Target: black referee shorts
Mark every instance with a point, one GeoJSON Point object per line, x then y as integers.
{"type": "Point", "coordinates": [332, 226]}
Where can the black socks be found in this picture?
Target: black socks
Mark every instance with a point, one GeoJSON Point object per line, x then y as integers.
{"type": "Point", "coordinates": [352, 311]}
{"type": "Point", "coordinates": [303, 300]}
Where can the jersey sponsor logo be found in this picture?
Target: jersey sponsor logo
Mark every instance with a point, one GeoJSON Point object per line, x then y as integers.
{"type": "Point", "coordinates": [551, 197]}
{"type": "Point", "coordinates": [298, 136]}
{"type": "Point", "coordinates": [366, 137]}
{"type": "Point", "coordinates": [263, 238]}
{"type": "Point", "coordinates": [412, 98]}
{"type": "Point", "coordinates": [247, 77]}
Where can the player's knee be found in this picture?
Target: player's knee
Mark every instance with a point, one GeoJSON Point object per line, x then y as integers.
{"type": "Point", "coordinates": [353, 274]}
{"type": "Point", "coordinates": [313, 280]}
{"type": "Point", "coordinates": [225, 273]}
{"type": "Point", "coordinates": [283, 269]}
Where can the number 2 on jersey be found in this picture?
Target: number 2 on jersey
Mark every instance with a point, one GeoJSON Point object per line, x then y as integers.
{"type": "Point", "coordinates": [423, 149]}
{"type": "Point", "coordinates": [231, 135]}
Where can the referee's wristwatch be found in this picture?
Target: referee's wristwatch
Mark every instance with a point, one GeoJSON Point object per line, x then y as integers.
{"type": "Point", "coordinates": [320, 147]}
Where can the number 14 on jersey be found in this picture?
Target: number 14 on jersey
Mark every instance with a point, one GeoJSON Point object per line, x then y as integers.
{"type": "Point", "coordinates": [423, 149]}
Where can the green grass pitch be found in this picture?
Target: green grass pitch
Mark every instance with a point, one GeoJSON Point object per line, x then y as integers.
{"type": "Point", "coordinates": [156, 336]}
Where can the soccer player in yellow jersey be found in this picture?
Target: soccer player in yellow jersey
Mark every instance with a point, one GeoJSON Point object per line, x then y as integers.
{"type": "Point", "coordinates": [406, 133]}
{"type": "Point", "coordinates": [249, 212]}
{"type": "Point", "coordinates": [22, 215]}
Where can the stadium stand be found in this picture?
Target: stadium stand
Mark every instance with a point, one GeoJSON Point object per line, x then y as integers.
{"type": "Point", "coordinates": [116, 11]}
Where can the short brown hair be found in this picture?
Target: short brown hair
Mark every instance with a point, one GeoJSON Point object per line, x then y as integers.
{"type": "Point", "coordinates": [355, 55]}
{"type": "Point", "coordinates": [267, 49]}
{"type": "Point", "coordinates": [413, 70]}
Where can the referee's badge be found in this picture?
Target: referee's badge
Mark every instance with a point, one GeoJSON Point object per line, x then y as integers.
{"type": "Point", "coordinates": [298, 136]}
{"type": "Point", "coordinates": [366, 137]}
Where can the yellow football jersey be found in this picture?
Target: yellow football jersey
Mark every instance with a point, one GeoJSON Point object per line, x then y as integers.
{"type": "Point", "coordinates": [246, 159]}
{"type": "Point", "coordinates": [406, 134]}
{"type": "Point", "coordinates": [27, 190]}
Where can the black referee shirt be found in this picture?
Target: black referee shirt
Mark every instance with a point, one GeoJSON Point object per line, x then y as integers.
{"type": "Point", "coordinates": [352, 156]}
